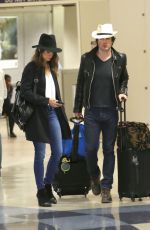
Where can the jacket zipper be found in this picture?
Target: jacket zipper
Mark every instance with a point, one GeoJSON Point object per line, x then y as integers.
{"type": "Point", "coordinates": [91, 85]}
{"type": "Point", "coordinates": [114, 82]}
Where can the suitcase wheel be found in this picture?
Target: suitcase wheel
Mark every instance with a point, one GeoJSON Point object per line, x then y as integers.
{"type": "Point", "coordinates": [85, 194]}
{"type": "Point", "coordinates": [59, 192]}
{"type": "Point", "coordinates": [120, 198]}
{"type": "Point", "coordinates": [86, 191]}
{"type": "Point", "coordinates": [133, 199]}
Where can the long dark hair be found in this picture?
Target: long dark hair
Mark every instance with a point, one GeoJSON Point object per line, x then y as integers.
{"type": "Point", "coordinates": [38, 59]}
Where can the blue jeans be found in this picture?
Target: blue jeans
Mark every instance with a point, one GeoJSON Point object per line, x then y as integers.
{"type": "Point", "coordinates": [99, 120]}
{"type": "Point", "coordinates": [55, 139]}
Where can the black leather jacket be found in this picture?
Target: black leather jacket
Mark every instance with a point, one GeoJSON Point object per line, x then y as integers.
{"type": "Point", "coordinates": [86, 75]}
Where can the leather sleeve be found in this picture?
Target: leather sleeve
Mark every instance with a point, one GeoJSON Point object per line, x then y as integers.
{"type": "Point", "coordinates": [78, 104]}
{"type": "Point", "coordinates": [124, 76]}
{"type": "Point", "coordinates": [27, 85]}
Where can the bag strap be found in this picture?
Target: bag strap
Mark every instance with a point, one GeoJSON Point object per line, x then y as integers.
{"type": "Point", "coordinates": [36, 80]}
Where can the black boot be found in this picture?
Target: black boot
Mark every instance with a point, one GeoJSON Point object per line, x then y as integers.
{"type": "Point", "coordinates": [12, 134]}
{"type": "Point", "coordinates": [96, 185]}
{"type": "Point", "coordinates": [48, 188]}
{"type": "Point", "coordinates": [43, 198]}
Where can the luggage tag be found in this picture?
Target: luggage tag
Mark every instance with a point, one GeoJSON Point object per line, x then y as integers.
{"type": "Point", "coordinates": [65, 164]}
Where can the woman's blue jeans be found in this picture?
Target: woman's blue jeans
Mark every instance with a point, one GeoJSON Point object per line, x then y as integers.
{"type": "Point", "coordinates": [55, 139]}
{"type": "Point", "coordinates": [99, 120]}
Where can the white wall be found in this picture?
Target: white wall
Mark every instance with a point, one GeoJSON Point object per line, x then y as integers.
{"type": "Point", "coordinates": [32, 21]}
{"type": "Point", "coordinates": [70, 38]}
{"type": "Point", "coordinates": [91, 13]}
{"type": "Point", "coordinates": [35, 23]}
{"type": "Point", "coordinates": [131, 19]}
{"type": "Point", "coordinates": [58, 28]}
{"type": "Point", "coordinates": [65, 29]}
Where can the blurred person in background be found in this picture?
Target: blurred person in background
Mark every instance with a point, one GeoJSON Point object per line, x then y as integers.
{"type": "Point", "coordinates": [8, 104]}
{"type": "Point", "coordinates": [3, 95]}
{"type": "Point", "coordinates": [3, 90]}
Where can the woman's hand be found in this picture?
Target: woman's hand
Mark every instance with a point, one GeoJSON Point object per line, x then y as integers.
{"type": "Point", "coordinates": [54, 103]}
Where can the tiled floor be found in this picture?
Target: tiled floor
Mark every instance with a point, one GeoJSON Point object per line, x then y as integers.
{"type": "Point", "coordinates": [19, 209]}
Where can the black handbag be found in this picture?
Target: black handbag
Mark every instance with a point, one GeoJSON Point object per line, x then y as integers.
{"type": "Point", "coordinates": [22, 110]}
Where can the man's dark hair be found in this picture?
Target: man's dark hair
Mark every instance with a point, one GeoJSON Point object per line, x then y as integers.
{"type": "Point", "coordinates": [112, 38]}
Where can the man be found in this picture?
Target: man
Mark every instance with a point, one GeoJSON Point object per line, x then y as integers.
{"type": "Point", "coordinates": [101, 85]}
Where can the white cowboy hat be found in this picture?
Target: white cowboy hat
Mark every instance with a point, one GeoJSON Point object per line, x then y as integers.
{"type": "Point", "coordinates": [104, 31]}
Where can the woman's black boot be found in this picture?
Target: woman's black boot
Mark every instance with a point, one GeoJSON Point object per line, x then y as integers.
{"type": "Point", "coordinates": [52, 198]}
{"type": "Point", "coordinates": [43, 198]}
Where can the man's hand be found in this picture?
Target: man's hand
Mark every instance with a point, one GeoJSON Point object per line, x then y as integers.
{"type": "Point", "coordinates": [122, 97]}
{"type": "Point", "coordinates": [78, 115]}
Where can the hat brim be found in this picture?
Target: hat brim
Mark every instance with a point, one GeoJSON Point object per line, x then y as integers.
{"type": "Point", "coordinates": [100, 36]}
{"type": "Point", "coordinates": [51, 49]}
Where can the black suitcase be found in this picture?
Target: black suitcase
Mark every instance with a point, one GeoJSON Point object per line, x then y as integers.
{"type": "Point", "coordinates": [72, 177]}
{"type": "Point", "coordinates": [133, 159]}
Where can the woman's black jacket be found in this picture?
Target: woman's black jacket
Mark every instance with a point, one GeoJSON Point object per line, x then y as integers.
{"type": "Point", "coordinates": [37, 128]}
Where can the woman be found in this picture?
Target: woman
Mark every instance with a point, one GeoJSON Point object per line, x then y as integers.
{"type": "Point", "coordinates": [48, 123]}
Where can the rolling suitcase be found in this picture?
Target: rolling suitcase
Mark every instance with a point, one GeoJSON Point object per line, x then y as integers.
{"type": "Point", "coordinates": [133, 156]}
{"type": "Point", "coordinates": [72, 177]}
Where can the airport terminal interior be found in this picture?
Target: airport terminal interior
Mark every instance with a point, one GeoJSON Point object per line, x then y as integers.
{"type": "Point", "coordinates": [72, 21]}
{"type": "Point", "coordinates": [18, 204]}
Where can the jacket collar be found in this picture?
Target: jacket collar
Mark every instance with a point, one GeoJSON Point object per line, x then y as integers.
{"type": "Point", "coordinates": [92, 53]}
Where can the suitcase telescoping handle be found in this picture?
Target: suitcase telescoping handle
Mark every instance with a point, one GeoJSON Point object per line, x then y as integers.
{"type": "Point", "coordinates": [123, 111]}
{"type": "Point", "coordinates": [76, 121]}
{"type": "Point", "coordinates": [122, 126]}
